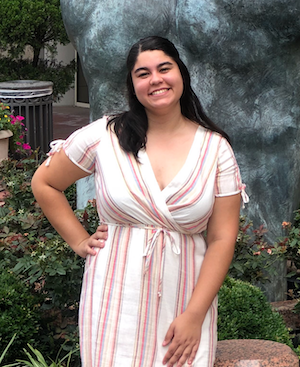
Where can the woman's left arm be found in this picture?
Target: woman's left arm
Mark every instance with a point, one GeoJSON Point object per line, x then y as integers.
{"type": "Point", "coordinates": [184, 333]}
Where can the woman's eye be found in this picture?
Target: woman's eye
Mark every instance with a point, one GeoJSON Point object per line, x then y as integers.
{"type": "Point", "coordinates": [164, 70]}
{"type": "Point", "coordinates": [143, 75]}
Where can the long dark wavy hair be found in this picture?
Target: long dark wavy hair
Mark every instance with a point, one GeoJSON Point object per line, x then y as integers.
{"type": "Point", "coordinates": [131, 126]}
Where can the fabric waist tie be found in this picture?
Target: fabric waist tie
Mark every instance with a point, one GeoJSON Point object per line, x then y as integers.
{"type": "Point", "coordinates": [151, 245]}
{"type": "Point", "coordinates": [149, 251]}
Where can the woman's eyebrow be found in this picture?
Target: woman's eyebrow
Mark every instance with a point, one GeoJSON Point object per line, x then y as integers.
{"type": "Point", "coordinates": [158, 66]}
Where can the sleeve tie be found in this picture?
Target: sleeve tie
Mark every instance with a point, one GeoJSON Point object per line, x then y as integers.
{"type": "Point", "coordinates": [244, 195]}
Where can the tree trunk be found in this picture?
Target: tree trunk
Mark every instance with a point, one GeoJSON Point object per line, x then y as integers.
{"type": "Point", "coordinates": [36, 54]}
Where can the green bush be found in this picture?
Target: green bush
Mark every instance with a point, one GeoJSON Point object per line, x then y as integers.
{"type": "Point", "coordinates": [245, 313]}
{"type": "Point", "coordinates": [37, 254]}
{"type": "Point", "coordinates": [19, 314]}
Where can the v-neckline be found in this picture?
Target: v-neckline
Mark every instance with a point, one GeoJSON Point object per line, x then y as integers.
{"type": "Point", "coordinates": [144, 159]}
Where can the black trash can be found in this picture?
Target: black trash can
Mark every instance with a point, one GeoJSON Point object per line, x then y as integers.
{"type": "Point", "coordinates": [31, 99]}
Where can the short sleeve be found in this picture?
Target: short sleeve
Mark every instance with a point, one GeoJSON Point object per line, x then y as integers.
{"type": "Point", "coordinates": [228, 179]}
{"type": "Point", "coordinates": [81, 146]}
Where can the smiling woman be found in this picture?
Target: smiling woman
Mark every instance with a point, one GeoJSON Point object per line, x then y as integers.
{"type": "Point", "coordinates": [164, 174]}
{"type": "Point", "coordinates": [157, 82]}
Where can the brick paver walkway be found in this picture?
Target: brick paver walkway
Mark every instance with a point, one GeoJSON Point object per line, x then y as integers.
{"type": "Point", "coordinates": [67, 119]}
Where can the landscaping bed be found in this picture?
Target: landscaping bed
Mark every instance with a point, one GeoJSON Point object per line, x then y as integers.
{"type": "Point", "coordinates": [34, 256]}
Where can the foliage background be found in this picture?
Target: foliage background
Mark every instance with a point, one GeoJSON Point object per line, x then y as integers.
{"type": "Point", "coordinates": [19, 313]}
{"type": "Point", "coordinates": [42, 262]}
{"type": "Point", "coordinates": [36, 25]}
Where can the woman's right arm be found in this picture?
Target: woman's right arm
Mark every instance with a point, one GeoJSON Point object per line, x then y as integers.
{"type": "Point", "coordinates": [48, 185]}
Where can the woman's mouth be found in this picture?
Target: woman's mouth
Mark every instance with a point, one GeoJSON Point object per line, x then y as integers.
{"type": "Point", "coordinates": [159, 91]}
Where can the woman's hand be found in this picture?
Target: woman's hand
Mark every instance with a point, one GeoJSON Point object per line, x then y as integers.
{"type": "Point", "coordinates": [86, 247]}
{"type": "Point", "coordinates": [184, 334]}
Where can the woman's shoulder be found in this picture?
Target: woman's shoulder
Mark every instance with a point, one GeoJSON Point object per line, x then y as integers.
{"type": "Point", "coordinates": [217, 143]}
{"type": "Point", "coordinates": [214, 135]}
{"type": "Point", "coordinates": [88, 136]}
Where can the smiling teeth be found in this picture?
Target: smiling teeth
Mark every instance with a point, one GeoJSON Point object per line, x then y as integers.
{"type": "Point", "coordinates": [159, 91]}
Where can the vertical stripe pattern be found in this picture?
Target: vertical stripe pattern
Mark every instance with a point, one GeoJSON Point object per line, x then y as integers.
{"type": "Point", "coordinates": [145, 275]}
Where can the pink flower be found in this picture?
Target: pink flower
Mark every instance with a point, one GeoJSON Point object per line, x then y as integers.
{"type": "Point", "coordinates": [269, 251]}
{"type": "Point", "coordinates": [26, 146]}
{"type": "Point", "coordinates": [13, 119]}
{"type": "Point", "coordinates": [18, 143]}
{"type": "Point", "coordinates": [256, 253]}
{"type": "Point", "coordinates": [21, 136]}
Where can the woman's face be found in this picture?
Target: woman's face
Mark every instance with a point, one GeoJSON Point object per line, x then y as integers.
{"type": "Point", "coordinates": [157, 81]}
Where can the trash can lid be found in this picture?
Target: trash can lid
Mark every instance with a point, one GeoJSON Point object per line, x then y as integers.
{"type": "Point", "coordinates": [25, 88]}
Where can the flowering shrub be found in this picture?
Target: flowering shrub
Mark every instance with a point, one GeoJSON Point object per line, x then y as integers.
{"type": "Point", "coordinates": [253, 257]}
{"type": "Point", "coordinates": [8, 121]}
{"type": "Point", "coordinates": [289, 246]}
{"type": "Point", "coordinates": [89, 216]}
{"type": "Point", "coordinates": [4, 117]}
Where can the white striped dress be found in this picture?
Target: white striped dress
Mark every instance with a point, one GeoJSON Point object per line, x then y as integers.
{"type": "Point", "coordinates": [144, 276]}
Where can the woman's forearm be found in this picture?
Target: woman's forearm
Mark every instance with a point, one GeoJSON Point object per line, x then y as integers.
{"type": "Point", "coordinates": [48, 184]}
{"type": "Point", "coordinates": [59, 213]}
{"type": "Point", "coordinates": [213, 271]}
{"type": "Point", "coordinates": [221, 237]}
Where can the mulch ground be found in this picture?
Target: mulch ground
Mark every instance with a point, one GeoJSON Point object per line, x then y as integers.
{"type": "Point", "coordinates": [286, 309]}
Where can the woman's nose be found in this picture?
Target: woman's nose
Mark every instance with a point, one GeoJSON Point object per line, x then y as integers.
{"type": "Point", "coordinates": [155, 78]}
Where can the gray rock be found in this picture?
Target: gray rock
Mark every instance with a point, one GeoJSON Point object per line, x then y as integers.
{"type": "Point", "coordinates": [244, 61]}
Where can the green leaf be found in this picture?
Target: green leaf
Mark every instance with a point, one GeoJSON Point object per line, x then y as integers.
{"type": "Point", "coordinates": [238, 267]}
{"type": "Point", "coordinates": [18, 266]}
{"type": "Point", "coordinates": [49, 235]}
{"type": "Point", "coordinates": [7, 347]}
{"type": "Point", "coordinates": [294, 243]}
{"type": "Point", "coordinates": [38, 355]}
{"type": "Point", "coordinates": [5, 229]}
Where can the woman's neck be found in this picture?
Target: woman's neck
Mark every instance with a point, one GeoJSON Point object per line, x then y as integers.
{"type": "Point", "coordinates": [165, 122]}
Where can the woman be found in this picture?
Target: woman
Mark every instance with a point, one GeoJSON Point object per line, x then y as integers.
{"type": "Point", "coordinates": [164, 174]}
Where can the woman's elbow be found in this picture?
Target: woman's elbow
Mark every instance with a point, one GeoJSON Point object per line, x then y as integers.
{"type": "Point", "coordinates": [37, 182]}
